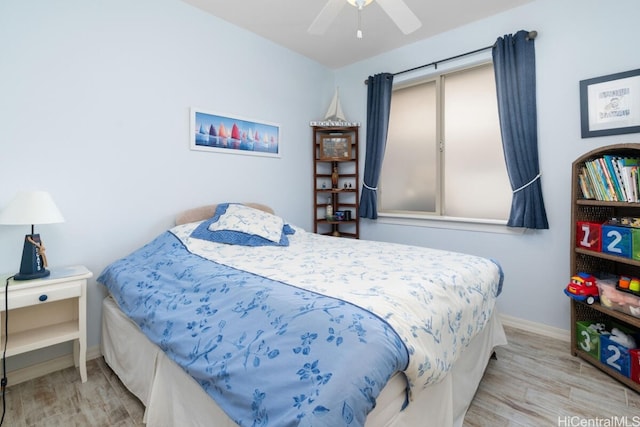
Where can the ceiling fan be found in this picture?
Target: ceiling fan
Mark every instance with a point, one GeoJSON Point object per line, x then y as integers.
{"type": "Point", "coordinates": [397, 10]}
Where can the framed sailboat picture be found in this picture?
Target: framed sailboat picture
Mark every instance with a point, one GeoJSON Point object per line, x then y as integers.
{"type": "Point", "coordinates": [215, 132]}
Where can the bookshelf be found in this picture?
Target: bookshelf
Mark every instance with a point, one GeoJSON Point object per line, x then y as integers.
{"type": "Point", "coordinates": [599, 195]}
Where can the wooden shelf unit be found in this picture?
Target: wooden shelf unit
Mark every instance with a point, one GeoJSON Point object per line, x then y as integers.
{"type": "Point", "coordinates": [594, 262]}
{"type": "Point", "coordinates": [340, 198]}
{"type": "Point", "coordinates": [598, 313]}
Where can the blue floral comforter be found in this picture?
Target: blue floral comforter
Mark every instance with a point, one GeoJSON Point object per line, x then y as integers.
{"type": "Point", "coordinates": [308, 334]}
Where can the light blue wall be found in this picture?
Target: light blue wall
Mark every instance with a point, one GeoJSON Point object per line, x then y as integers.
{"type": "Point", "coordinates": [94, 108]}
{"type": "Point", "coordinates": [577, 39]}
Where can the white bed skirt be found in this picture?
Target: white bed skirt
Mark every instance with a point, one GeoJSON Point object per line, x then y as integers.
{"type": "Point", "coordinates": [172, 398]}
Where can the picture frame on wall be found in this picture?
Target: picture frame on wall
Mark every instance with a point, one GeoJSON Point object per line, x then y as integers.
{"type": "Point", "coordinates": [610, 105]}
{"type": "Point", "coordinates": [335, 147]}
{"type": "Point", "coordinates": [220, 133]}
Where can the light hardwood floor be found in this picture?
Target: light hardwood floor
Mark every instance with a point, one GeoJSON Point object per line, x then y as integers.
{"type": "Point", "coordinates": [533, 382]}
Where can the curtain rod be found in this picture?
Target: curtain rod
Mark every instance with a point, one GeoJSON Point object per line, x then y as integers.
{"type": "Point", "coordinates": [532, 35]}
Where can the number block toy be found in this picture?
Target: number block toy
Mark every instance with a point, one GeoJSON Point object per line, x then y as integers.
{"type": "Point", "coordinates": [615, 356]}
{"type": "Point", "coordinates": [616, 240]}
{"type": "Point", "coordinates": [589, 236]}
{"type": "Point", "coordinates": [588, 339]}
{"type": "Point", "coordinates": [635, 364]}
{"type": "Point", "coordinates": [635, 243]}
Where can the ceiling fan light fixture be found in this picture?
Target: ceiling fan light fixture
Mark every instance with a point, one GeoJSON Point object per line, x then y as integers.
{"type": "Point", "coordinates": [397, 10]}
{"type": "Point", "coordinates": [360, 4]}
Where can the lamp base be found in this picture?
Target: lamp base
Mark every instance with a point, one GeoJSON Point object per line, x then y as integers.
{"type": "Point", "coordinates": [30, 276]}
{"type": "Point", "coordinates": [32, 265]}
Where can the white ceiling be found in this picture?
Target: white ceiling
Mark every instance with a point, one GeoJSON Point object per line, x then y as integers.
{"type": "Point", "coordinates": [285, 22]}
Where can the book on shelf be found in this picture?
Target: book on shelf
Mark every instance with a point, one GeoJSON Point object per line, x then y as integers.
{"type": "Point", "coordinates": [583, 181]}
{"type": "Point", "coordinates": [610, 186]}
{"type": "Point", "coordinates": [601, 181]}
{"type": "Point", "coordinates": [629, 171]}
{"type": "Point", "coordinates": [610, 178]}
{"type": "Point", "coordinates": [593, 182]}
{"type": "Point", "coordinates": [616, 176]}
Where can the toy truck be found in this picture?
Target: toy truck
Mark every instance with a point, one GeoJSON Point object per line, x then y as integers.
{"type": "Point", "coordinates": [583, 287]}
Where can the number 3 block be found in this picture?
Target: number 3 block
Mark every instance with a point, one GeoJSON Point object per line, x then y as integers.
{"type": "Point", "coordinates": [616, 240]}
{"type": "Point", "coordinates": [588, 339]}
{"type": "Point", "coordinates": [589, 236]}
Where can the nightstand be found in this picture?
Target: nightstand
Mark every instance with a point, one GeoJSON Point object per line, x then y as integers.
{"type": "Point", "coordinates": [47, 311]}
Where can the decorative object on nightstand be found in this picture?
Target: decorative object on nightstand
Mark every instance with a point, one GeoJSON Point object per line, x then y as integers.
{"type": "Point", "coordinates": [30, 208]}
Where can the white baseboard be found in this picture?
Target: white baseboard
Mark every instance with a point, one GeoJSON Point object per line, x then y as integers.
{"type": "Point", "coordinates": [34, 371]}
{"type": "Point", "coordinates": [536, 328]}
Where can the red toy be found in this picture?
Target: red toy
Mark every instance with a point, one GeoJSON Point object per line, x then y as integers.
{"type": "Point", "coordinates": [583, 288]}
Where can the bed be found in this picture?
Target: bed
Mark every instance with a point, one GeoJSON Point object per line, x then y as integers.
{"type": "Point", "coordinates": [235, 317]}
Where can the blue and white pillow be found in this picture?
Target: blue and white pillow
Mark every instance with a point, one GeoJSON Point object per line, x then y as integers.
{"type": "Point", "coordinates": [238, 224]}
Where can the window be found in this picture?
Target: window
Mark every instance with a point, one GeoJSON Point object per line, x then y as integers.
{"type": "Point", "coordinates": [444, 151]}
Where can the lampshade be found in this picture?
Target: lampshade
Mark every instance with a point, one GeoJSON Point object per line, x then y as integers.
{"type": "Point", "coordinates": [31, 207]}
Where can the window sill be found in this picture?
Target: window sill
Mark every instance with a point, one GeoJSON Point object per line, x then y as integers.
{"type": "Point", "coordinates": [445, 222]}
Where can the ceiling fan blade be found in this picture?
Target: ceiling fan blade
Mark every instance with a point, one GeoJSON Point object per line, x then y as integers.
{"type": "Point", "coordinates": [400, 13]}
{"type": "Point", "coordinates": [326, 16]}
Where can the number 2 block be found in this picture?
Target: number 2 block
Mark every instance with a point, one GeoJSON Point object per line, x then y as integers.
{"type": "Point", "coordinates": [589, 236]}
{"type": "Point", "coordinates": [616, 241]}
{"type": "Point", "coordinates": [614, 355]}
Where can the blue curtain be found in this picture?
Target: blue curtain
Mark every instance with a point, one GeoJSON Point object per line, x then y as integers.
{"type": "Point", "coordinates": [378, 107]}
{"type": "Point", "coordinates": [515, 71]}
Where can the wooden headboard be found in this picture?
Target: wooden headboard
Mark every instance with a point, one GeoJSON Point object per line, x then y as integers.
{"type": "Point", "coordinates": [206, 212]}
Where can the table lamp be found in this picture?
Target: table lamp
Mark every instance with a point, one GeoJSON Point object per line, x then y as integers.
{"type": "Point", "coordinates": [31, 207]}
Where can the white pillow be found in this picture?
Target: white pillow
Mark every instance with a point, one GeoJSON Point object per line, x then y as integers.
{"type": "Point", "coordinates": [248, 220]}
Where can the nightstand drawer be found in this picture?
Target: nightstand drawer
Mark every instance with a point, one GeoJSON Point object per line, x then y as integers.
{"type": "Point", "coordinates": [41, 295]}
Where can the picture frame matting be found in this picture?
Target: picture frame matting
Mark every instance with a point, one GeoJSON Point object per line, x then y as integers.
{"type": "Point", "coordinates": [610, 105]}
